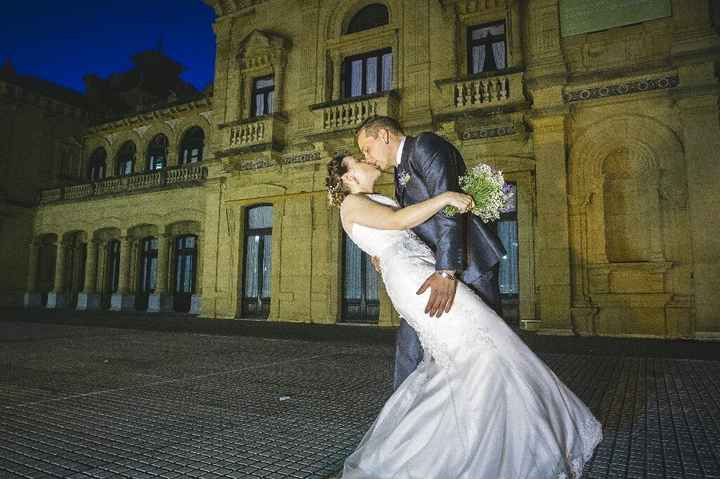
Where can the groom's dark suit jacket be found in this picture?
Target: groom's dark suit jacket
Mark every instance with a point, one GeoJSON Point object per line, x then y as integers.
{"type": "Point", "coordinates": [431, 165]}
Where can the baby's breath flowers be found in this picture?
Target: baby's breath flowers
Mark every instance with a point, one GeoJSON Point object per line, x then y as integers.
{"type": "Point", "coordinates": [489, 191]}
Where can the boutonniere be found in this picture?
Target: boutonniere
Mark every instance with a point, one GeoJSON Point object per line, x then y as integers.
{"type": "Point", "coordinates": [404, 178]}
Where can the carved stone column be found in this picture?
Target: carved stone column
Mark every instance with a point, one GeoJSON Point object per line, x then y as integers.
{"type": "Point", "coordinates": [122, 300]}
{"type": "Point", "coordinates": [279, 76]}
{"type": "Point", "coordinates": [337, 73]}
{"type": "Point", "coordinates": [88, 299]}
{"type": "Point", "coordinates": [56, 298]}
{"type": "Point", "coordinates": [160, 300]}
{"type": "Point", "coordinates": [32, 298]}
{"type": "Point", "coordinates": [552, 260]}
{"type": "Point", "coordinates": [701, 139]}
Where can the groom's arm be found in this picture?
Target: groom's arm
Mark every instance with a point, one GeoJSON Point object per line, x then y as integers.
{"type": "Point", "coordinates": [441, 173]}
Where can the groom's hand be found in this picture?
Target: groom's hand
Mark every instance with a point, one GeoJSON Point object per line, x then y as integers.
{"type": "Point", "coordinates": [376, 263]}
{"type": "Point", "coordinates": [442, 293]}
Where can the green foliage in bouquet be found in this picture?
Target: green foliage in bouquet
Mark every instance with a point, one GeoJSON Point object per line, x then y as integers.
{"type": "Point", "coordinates": [489, 191]}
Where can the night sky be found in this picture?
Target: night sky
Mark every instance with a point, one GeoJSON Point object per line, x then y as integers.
{"type": "Point", "coordinates": [61, 41]}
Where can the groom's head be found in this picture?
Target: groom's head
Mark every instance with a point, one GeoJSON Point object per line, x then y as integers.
{"type": "Point", "coordinates": [378, 138]}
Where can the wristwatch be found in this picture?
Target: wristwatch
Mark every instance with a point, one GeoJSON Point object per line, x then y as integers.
{"type": "Point", "coordinates": [447, 274]}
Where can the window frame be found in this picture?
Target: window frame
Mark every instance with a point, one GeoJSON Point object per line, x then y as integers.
{"type": "Point", "coordinates": [261, 232]}
{"type": "Point", "coordinates": [470, 43]}
{"type": "Point", "coordinates": [150, 157]}
{"type": "Point", "coordinates": [131, 160]}
{"type": "Point", "coordinates": [268, 106]}
{"type": "Point", "coordinates": [365, 304]}
{"type": "Point", "coordinates": [95, 160]}
{"type": "Point", "coordinates": [346, 79]}
{"type": "Point", "coordinates": [357, 14]}
{"type": "Point", "coordinates": [186, 144]}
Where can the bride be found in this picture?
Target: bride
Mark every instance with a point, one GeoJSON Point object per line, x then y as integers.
{"type": "Point", "coordinates": [481, 405]}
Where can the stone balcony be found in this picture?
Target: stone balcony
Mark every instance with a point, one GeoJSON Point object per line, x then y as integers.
{"type": "Point", "coordinates": [181, 176]}
{"type": "Point", "coordinates": [496, 91]}
{"type": "Point", "coordinates": [254, 134]}
{"type": "Point", "coordinates": [348, 113]}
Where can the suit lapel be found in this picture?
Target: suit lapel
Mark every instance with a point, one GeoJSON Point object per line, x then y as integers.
{"type": "Point", "coordinates": [404, 169]}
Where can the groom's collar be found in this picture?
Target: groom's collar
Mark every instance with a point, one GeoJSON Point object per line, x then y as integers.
{"type": "Point", "coordinates": [398, 155]}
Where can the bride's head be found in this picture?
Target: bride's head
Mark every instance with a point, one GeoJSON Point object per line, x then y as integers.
{"type": "Point", "coordinates": [347, 175]}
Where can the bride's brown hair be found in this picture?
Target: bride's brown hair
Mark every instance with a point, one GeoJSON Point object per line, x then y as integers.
{"type": "Point", "coordinates": [334, 183]}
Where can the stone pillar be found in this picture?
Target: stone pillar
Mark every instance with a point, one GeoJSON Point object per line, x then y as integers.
{"type": "Point", "coordinates": [552, 244]}
{"type": "Point", "coordinates": [56, 298]}
{"type": "Point", "coordinates": [160, 300]}
{"type": "Point", "coordinates": [32, 298]}
{"type": "Point", "coordinates": [337, 73]}
{"type": "Point", "coordinates": [279, 76]}
{"type": "Point", "coordinates": [88, 299]}
{"type": "Point", "coordinates": [701, 139]}
{"type": "Point", "coordinates": [122, 300]}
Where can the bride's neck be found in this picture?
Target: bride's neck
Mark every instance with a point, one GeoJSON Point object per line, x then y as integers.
{"type": "Point", "coordinates": [363, 190]}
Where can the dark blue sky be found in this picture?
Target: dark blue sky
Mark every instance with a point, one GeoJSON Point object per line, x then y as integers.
{"type": "Point", "coordinates": [61, 41]}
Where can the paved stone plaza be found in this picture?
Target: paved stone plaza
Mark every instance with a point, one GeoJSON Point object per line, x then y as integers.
{"type": "Point", "coordinates": [83, 401]}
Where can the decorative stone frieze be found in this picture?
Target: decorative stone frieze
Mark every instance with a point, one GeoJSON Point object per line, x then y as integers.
{"type": "Point", "coordinates": [626, 88]}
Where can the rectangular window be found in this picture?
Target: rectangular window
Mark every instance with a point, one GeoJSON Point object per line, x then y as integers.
{"type": "Point", "coordinates": [257, 284]}
{"type": "Point", "coordinates": [368, 73]}
{"type": "Point", "coordinates": [507, 228]}
{"type": "Point", "coordinates": [361, 284]}
{"type": "Point", "coordinates": [487, 50]}
{"type": "Point", "coordinates": [263, 95]}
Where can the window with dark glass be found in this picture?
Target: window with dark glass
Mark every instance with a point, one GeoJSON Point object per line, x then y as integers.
{"type": "Point", "coordinates": [507, 227]}
{"type": "Point", "coordinates": [147, 280]}
{"type": "Point", "coordinates": [191, 146]}
{"type": "Point", "coordinates": [263, 95]}
{"type": "Point", "coordinates": [126, 159]}
{"type": "Point", "coordinates": [185, 272]}
{"type": "Point", "coordinates": [157, 152]}
{"type": "Point", "coordinates": [372, 16]}
{"type": "Point", "coordinates": [361, 282]}
{"type": "Point", "coordinates": [112, 278]}
{"type": "Point", "coordinates": [487, 48]}
{"type": "Point", "coordinates": [368, 73]}
{"type": "Point", "coordinates": [96, 165]}
{"type": "Point", "coordinates": [258, 262]}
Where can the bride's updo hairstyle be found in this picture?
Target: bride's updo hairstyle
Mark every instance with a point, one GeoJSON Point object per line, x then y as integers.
{"type": "Point", "coordinates": [334, 183]}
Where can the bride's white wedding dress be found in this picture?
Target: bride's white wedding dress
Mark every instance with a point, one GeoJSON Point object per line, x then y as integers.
{"type": "Point", "coordinates": [481, 405]}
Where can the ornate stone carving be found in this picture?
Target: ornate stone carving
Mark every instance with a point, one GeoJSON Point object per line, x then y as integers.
{"type": "Point", "coordinates": [637, 86]}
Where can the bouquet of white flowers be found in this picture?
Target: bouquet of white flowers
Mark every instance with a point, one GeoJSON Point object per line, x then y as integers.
{"type": "Point", "coordinates": [489, 191]}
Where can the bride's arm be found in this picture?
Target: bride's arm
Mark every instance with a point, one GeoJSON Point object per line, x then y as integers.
{"type": "Point", "coordinates": [359, 209]}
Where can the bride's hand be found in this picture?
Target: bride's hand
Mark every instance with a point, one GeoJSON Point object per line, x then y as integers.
{"type": "Point", "coordinates": [461, 201]}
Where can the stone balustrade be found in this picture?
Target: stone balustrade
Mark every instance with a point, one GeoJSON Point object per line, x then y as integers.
{"type": "Point", "coordinates": [349, 113]}
{"type": "Point", "coordinates": [256, 132]}
{"type": "Point", "coordinates": [249, 133]}
{"type": "Point", "coordinates": [483, 92]}
{"type": "Point", "coordinates": [144, 181]}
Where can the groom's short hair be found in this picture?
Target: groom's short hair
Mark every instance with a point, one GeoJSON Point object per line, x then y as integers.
{"type": "Point", "coordinates": [372, 124]}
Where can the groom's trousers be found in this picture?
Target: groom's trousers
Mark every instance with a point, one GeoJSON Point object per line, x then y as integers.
{"type": "Point", "coordinates": [409, 351]}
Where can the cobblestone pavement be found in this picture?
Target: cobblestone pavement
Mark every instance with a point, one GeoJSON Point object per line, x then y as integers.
{"type": "Point", "coordinates": [98, 402]}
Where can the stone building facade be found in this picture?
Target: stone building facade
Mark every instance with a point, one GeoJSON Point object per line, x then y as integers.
{"type": "Point", "coordinates": [607, 125]}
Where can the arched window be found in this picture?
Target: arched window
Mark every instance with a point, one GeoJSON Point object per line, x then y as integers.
{"type": "Point", "coordinates": [374, 15]}
{"type": "Point", "coordinates": [258, 262]}
{"type": "Point", "coordinates": [126, 159]}
{"type": "Point", "coordinates": [191, 146]}
{"type": "Point", "coordinates": [157, 153]}
{"type": "Point", "coordinates": [96, 165]}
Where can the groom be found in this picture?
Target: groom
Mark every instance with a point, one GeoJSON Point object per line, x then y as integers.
{"type": "Point", "coordinates": [465, 248]}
